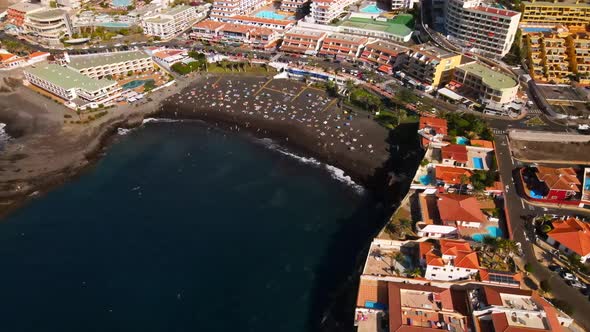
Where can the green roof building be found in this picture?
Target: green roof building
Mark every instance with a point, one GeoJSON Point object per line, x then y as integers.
{"type": "Point", "coordinates": [115, 63]}
{"type": "Point", "coordinates": [398, 29]}
{"type": "Point", "coordinates": [493, 87]}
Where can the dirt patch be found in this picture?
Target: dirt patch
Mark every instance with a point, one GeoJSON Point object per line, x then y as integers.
{"type": "Point", "coordinates": [558, 152]}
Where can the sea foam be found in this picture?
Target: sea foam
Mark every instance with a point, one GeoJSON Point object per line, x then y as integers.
{"type": "Point", "coordinates": [335, 172]}
{"type": "Point", "coordinates": [148, 120]}
{"type": "Point", "coordinates": [4, 137]}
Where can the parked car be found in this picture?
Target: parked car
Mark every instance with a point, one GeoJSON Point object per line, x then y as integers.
{"type": "Point", "coordinates": [567, 275]}
{"type": "Point", "coordinates": [555, 268]}
{"type": "Point", "coordinates": [576, 284]}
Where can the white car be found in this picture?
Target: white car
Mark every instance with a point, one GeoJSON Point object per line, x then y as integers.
{"type": "Point", "coordinates": [569, 276]}
{"type": "Point", "coordinates": [576, 284]}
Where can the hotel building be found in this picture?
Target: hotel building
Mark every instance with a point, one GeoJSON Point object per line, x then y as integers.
{"type": "Point", "coordinates": [302, 41]}
{"type": "Point", "coordinates": [16, 13]}
{"type": "Point", "coordinates": [229, 8]}
{"type": "Point", "coordinates": [430, 65]}
{"type": "Point", "coordinates": [342, 46]}
{"type": "Point", "coordinates": [220, 32]}
{"type": "Point", "coordinates": [168, 23]}
{"type": "Point", "coordinates": [571, 13]}
{"type": "Point", "coordinates": [492, 87]}
{"type": "Point", "coordinates": [105, 64]}
{"type": "Point", "coordinates": [71, 86]}
{"type": "Point", "coordinates": [259, 22]}
{"type": "Point", "coordinates": [487, 30]}
{"type": "Point", "coordinates": [325, 11]}
{"type": "Point", "coordinates": [48, 26]}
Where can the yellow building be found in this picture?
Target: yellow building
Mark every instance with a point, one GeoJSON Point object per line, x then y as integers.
{"type": "Point", "coordinates": [572, 13]}
{"type": "Point", "coordinates": [579, 54]}
{"type": "Point", "coordinates": [430, 65]}
{"type": "Point", "coordinates": [558, 56]}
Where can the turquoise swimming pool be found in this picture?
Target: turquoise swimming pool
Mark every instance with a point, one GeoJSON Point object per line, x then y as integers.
{"type": "Point", "coordinates": [425, 179]}
{"type": "Point", "coordinates": [477, 163]}
{"type": "Point", "coordinates": [122, 3]}
{"type": "Point", "coordinates": [462, 140]}
{"type": "Point", "coordinates": [493, 231]}
{"type": "Point", "coordinates": [114, 25]}
{"type": "Point", "coordinates": [135, 84]}
{"type": "Point", "coordinates": [270, 15]}
{"type": "Point", "coordinates": [371, 9]}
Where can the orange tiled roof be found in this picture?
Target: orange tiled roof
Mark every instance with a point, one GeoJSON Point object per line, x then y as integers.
{"type": "Point", "coordinates": [427, 252]}
{"type": "Point", "coordinates": [452, 175]}
{"type": "Point", "coordinates": [6, 56]}
{"type": "Point", "coordinates": [209, 25]}
{"type": "Point", "coordinates": [439, 125]}
{"type": "Point", "coordinates": [465, 257]}
{"type": "Point", "coordinates": [453, 207]}
{"type": "Point", "coordinates": [456, 152]}
{"type": "Point", "coordinates": [167, 53]}
{"type": "Point", "coordinates": [572, 233]}
{"type": "Point", "coordinates": [37, 54]}
{"type": "Point", "coordinates": [559, 178]}
{"type": "Point", "coordinates": [371, 290]}
{"type": "Point", "coordinates": [483, 143]}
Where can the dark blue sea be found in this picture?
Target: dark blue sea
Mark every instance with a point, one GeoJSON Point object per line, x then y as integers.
{"type": "Point", "coordinates": [181, 227]}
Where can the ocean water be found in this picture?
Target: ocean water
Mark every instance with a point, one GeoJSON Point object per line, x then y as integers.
{"type": "Point", "coordinates": [184, 228]}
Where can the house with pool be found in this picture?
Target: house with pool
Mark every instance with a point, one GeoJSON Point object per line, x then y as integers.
{"type": "Point", "coordinates": [550, 183]}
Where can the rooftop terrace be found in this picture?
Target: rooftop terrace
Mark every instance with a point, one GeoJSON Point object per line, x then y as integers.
{"type": "Point", "coordinates": [47, 14]}
{"type": "Point", "coordinates": [401, 25]}
{"type": "Point", "coordinates": [492, 78]}
{"type": "Point", "coordinates": [68, 78]}
{"type": "Point", "coordinates": [94, 60]}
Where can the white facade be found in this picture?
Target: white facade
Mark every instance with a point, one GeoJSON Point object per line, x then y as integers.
{"type": "Point", "coordinates": [229, 8]}
{"type": "Point", "coordinates": [105, 64]}
{"type": "Point", "coordinates": [171, 22]}
{"type": "Point", "coordinates": [448, 272]}
{"type": "Point", "coordinates": [48, 26]}
{"type": "Point", "coordinates": [402, 4]}
{"type": "Point", "coordinates": [489, 31]}
{"type": "Point", "coordinates": [325, 11]}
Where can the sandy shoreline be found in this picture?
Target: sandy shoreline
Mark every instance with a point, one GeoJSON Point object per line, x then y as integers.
{"type": "Point", "coordinates": [48, 153]}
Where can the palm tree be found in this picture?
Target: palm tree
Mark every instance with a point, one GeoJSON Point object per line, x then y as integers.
{"type": "Point", "coordinates": [415, 272]}
{"type": "Point", "coordinates": [489, 243]}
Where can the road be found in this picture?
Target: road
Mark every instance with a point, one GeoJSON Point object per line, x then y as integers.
{"type": "Point", "coordinates": [517, 210]}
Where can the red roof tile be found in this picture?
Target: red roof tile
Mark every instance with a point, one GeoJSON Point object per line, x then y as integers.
{"type": "Point", "coordinates": [572, 233]}
{"type": "Point", "coordinates": [558, 178]}
{"type": "Point", "coordinates": [456, 152]}
{"type": "Point", "coordinates": [453, 207]}
{"type": "Point", "coordinates": [452, 175]}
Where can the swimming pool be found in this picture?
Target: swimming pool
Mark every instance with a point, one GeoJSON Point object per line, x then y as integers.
{"type": "Point", "coordinates": [493, 231]}
{"type": "Point", "coordinates": [122, 3]}
{"type": "Point", "coordinates": [270, 15]}
{"type": "Point", "coordinates": [371, 9]}
{"type": "Point", "coordinates": [135, 84]}
{"type": "Point", "coordinates": [114, 25]}
{"type": "Point", "coordinates": [536, 29]}
{"type": "Point", "coordinates": [462, 140]}
{"type": "Point", "coordinates": [425, 179]}
{"type": "Point", "coordinates": [477, 163]}
{"type": "Point", "coordinates": [534, 194]}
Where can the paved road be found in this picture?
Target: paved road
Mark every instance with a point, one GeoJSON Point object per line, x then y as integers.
{"type": "Point", "coordinates": [516, 210]}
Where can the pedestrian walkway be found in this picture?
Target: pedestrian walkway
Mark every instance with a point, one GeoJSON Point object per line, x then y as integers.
{"type": "Point", "coordinates": [534, 111]}
{"type": "Point", "coordinates": [498, 131]}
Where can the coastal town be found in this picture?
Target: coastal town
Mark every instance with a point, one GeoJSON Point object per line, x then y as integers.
{"type": "Point", "coordinates": [486, 102]}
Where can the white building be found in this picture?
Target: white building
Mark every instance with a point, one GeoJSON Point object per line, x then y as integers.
{"type": "Point", "coordinates": [71, 86]}
{"type": "Point", "coordinates": [105, 64]}
{"type": "Point", "coordinates": [69, 3]}
{"type": "Point", "coordinates": [453, 260]}
{"type": "Point", "coordinates": [437, 231]}
{"type": "Point", "coordinates": [48, 26]}
{"type": "Point", "coordinates": [325, 11]}
{"type": "Point", "coordinates": [168, 23]}
{"type": "Point", "coordinates": [229, 8]}
{"type": "Point", "coordinates": [487, 30]}
{"type": "Point", "coordinates": [492, 87]}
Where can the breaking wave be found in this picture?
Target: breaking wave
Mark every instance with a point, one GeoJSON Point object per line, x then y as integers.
{"type": "Point", "coordinates": [148, 120]}
{"type": "Point", "coordinates": [335, 172]}
{"type": "Point", "coordinates": [4, 137]}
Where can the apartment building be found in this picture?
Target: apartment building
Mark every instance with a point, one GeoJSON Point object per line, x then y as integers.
{"type": "Point", "coordinates": [492, 87]}
{"type": "Point", "coordinates": [571, 13]}
{"type": "Point", "coordinates": [75, 89]}
{"type": "Point", "coordinates": [293, 6]}
{"type": "Point", "coordinates": [102, 65]}
{"type": "Point", "coordinates": [578, 45]}
{"type": "Point", "coordinates": [48, 26]}
{"type": "Point", "coordinates": [430, 65]}
{"type": "Point", "coordinates": [548, 58]}
{"type": "Point", "coordinates": [342, 46]}
{"type": "Point", "coordinates": [326, 11]}
{"type": "Point", "coordinates": [170, 22]}
{"type": "Point", "coordinates": [255, 37]}
{"type": "Point", "coordinates": [399, 29]}
{"type": "Point", "coordinates": [380, 53]}
{"type": "Point", "coordinates": [16, 13]}
{"type": "Point", "coordinates": [228, 8]}
{"type": "Point", "coordinates": [302, 41]}
{"type": "Point", "coordinates": [487, 30]}
{"type": "Point", "coordinates": [259, 22]}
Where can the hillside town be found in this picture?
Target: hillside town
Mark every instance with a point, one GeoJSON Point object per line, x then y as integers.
{"type": "Point", "coordinates": [494, 231]}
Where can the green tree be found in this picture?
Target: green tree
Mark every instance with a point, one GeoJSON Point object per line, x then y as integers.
{"type": "Point", "coordinates": [406, 95]}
